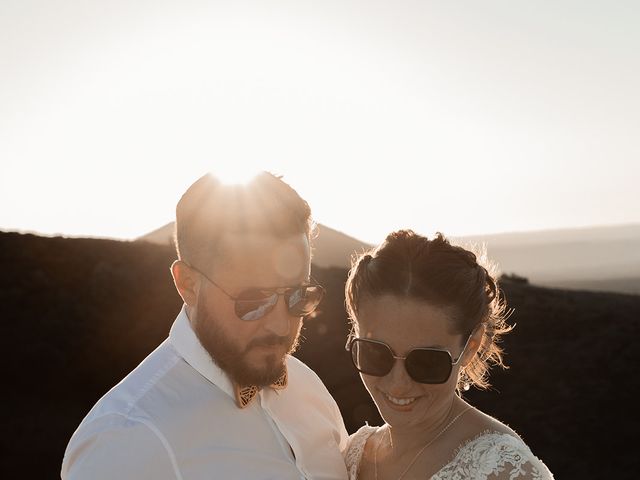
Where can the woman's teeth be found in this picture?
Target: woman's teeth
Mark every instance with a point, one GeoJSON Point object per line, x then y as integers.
{"type": "Point", "coordinates": [400, 401]}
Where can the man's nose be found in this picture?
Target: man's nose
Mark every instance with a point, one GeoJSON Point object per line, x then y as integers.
{"type": "Point", "coordinates": [278, 321]}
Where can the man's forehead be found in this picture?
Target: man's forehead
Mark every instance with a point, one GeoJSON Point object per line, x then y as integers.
{"type": "Point", "coordinates": [286, 258]}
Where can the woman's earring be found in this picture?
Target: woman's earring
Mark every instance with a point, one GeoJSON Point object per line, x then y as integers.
{"type": "Point", "coordinates": [466, 384]}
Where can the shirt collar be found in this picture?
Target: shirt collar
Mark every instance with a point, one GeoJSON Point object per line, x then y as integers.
{"type": "Point", "coordinates": [186, 343]}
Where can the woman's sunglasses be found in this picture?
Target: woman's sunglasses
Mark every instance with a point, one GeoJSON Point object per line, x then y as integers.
{"type": "Point", "coordinates": [255, 303]}
{"type": "Point", "coordinates": [424, 365]}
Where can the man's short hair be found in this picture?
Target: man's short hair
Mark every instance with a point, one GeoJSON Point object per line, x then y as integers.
{"type": "Point", "coordinates": [210, 209]}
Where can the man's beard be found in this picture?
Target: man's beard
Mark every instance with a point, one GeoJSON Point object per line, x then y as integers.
{"type": "Point", "coordinates": [232, 359]}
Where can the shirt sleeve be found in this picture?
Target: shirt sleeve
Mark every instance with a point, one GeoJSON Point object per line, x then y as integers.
{"type": "Point", "coordinates": [117, 447]}
{"type": "Point", "coordinates": [343, 435]}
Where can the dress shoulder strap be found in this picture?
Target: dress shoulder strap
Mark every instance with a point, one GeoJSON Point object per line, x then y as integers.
{"type": "Point", "coordinates": [355, 449]}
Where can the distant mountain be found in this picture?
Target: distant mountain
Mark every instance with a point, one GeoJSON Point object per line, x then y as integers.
{"type": "Point", "coordinates": [596, 258]}
{"type": "Point", "coordinates": [160, 236]}
{"type": "Point", "coordinates": [331, 248]}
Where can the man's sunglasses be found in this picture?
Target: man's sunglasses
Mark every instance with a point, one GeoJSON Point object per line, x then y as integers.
{"type": "Point", "coordinates": [424, 365]}
{"type": "Point", "coordinates": [254, 303]}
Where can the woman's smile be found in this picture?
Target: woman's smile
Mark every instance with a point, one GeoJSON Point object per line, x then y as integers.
{"type": "Point", "coordinates": [402, 404]}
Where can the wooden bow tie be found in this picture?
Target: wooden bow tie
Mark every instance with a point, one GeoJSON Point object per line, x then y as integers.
{"type": "Point", "coordinates": [244, 395]}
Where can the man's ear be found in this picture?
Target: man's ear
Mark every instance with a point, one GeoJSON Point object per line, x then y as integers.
{"type": "Point", "coordinates": [186, 282]}
{"type": "Point", "coordinates": [475, 341]}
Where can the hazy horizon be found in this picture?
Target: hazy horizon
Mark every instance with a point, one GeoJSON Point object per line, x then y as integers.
{"type": "Point", "coordinates": [602, 258]}
{"type": "Point", "coordinates": [472, 235]}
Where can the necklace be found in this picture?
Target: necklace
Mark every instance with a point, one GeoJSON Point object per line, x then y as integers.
{"type": "Point", "coordinates": [375, 452]}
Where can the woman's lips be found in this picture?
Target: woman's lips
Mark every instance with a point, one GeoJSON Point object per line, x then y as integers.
{"type": "Point", "coordinates": [402, 404]}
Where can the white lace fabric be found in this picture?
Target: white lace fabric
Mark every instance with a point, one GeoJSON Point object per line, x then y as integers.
{"type": "Point", "coordinates": [489, 456]}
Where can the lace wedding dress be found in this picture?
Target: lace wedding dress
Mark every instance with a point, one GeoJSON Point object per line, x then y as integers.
{"type": "Point", "coordinates": [488, 456]}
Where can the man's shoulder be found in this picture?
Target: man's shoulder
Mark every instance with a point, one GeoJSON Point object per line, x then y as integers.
{"type": "Point", "coordinates": [307, 403]}
{"type": "Point", "coordinates": [103, 448]}
{"type": "Point", "coordinates": [304, 382]}
{"type": "Point", "coordinates": [121, 420]}
{"type": "Point", "coordinates": [130, 395]}
{"type": "Point", "coordinates": [301, 372]}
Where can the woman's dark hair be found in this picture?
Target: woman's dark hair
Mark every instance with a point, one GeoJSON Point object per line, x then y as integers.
{"type": "Point", "coordinates": [434, 271]}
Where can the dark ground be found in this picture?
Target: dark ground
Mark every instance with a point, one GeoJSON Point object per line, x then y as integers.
{"type": "Point", "coordinates": [79, 314]}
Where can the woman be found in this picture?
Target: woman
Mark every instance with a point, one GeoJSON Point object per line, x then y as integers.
{"type": "Point", "coordinates": [426, 322]}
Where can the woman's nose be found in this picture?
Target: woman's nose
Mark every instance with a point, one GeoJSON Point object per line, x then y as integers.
{"type": "Point", "coordinates": [398, 378]}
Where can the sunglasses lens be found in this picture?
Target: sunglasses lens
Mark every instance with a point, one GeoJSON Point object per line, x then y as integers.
{"type": "Point", "coordinates": [429, 366]}
{"type": "Point", "coordinates": [371, 358]}
{"type": "Point", "coordinates": [304, 300]}
{"type": "Point", "coordinates": [255, 308]}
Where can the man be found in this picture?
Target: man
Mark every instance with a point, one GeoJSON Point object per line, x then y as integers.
{"type": "Point", "coordinates": [222, 397]}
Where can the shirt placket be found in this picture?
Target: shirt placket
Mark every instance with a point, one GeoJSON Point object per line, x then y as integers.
{"type": "Point", "coordinates": [282, 440]}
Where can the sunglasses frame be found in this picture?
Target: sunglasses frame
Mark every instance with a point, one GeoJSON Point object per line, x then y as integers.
{"type": "Point", "coordinates": [352, 339]}
{"type": "Point", "coordinates": [279, 291]}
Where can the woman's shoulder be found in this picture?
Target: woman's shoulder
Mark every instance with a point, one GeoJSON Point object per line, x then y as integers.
{"type": "Point", "coordinates": [491, 450]}
{"type": "Point", "coordinates": [479, 422]}
{"type": "Point", "coordinates": [496, 455]}
{"type": "Point", "coordinates": [363, 433]}
{"type": "Point", "coordinates": [355, 448]}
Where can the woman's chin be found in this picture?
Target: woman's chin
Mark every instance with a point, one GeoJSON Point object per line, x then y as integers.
{"type": "Point", "coordinates": [404, 412]}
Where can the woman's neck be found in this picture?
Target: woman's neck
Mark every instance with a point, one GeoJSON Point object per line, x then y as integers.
{"type": "Point", "coordinates": [401, 439]}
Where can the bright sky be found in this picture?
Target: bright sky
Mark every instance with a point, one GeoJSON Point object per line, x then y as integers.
{"type": "Point", "coordinates": [466, 117]}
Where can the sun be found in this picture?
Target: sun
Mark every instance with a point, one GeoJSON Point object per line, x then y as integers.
{"type": "Point", "coordinates": [235, 174]}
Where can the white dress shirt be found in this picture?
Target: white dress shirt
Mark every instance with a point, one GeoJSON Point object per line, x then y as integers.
{"type": "Point", "coordinates": [175, 417]}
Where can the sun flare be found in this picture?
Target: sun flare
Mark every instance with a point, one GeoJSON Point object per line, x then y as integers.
{"type": "Point", "coordinates": [235, 174]}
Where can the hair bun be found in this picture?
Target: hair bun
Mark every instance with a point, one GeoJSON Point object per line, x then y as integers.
{"type": "Point", "coordinates": [365, 259]}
